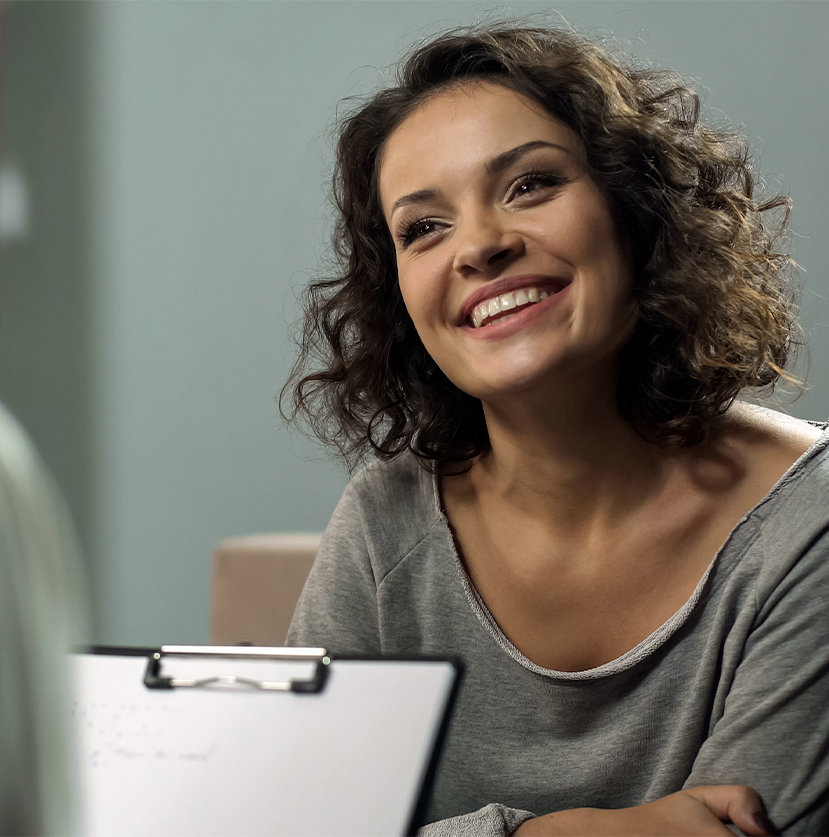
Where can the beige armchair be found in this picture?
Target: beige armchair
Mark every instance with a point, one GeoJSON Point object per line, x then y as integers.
{"type": "Point", "coordinates": [257, 580]}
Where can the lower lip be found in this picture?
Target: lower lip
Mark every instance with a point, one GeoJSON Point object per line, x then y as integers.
{"type": "Point", "coordinates": [517, 322]}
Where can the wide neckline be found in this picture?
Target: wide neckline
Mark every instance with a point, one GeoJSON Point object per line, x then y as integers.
{"type": "Point", "coordinates": [661, 634]}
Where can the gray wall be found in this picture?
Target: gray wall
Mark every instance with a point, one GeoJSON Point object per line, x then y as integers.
{"type": "Point", "coordinates": [175, 156]}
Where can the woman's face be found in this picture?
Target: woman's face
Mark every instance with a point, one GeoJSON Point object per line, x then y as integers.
{"type": "Point", "coordinates": [510, 264]}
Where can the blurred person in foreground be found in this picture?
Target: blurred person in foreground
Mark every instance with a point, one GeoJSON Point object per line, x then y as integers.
{"type": "Point", "coordinates": [40, 621]}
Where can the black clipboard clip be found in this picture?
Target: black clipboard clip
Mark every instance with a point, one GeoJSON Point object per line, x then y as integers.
{"type": "Point", "coordinates": [153, 679]}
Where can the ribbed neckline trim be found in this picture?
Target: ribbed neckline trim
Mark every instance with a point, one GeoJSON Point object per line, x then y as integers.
{"type": "Point", "coordinates": [656, 639]}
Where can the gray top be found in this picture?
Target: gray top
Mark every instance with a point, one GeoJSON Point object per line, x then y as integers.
{"type": "Point", "coordinates": [732, 689]}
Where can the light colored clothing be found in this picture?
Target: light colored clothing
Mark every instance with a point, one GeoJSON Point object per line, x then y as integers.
{"type": "Point", "coordinates": [732, 689]}
{"type": "Point", "coordinates": [39, 620]}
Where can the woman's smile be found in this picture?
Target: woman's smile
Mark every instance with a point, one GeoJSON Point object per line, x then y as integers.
{"type": "Point", "coordinates": [509, 261]}
{"type": "Point", "coordinates": [506, 297]}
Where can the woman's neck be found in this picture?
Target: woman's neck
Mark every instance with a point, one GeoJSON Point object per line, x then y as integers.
{"type": "Point", "coordinates": [572, 460]}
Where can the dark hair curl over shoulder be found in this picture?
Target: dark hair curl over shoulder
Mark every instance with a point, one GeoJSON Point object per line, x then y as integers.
{"type": "Point", "coordinates": [716, 301]}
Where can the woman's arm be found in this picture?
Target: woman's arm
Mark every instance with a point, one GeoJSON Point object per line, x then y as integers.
{"type": "Point", "coordinates": [699, 811]}
{"type": "Point", "coordinates": [773, 730]}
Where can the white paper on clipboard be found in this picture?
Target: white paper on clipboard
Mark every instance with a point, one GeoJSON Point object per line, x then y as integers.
{"type": "Point", "coordinates": [351, 759]}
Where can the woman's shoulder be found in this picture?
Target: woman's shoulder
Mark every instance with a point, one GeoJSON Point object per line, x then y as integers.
{"type": "Point", "coordinates": [787, 460]}
{"type": "Point", "coordinates": [393, 482]}
{"type": "Point", "coordinates": [395, 501]}
{"type": "Point", "coordinates": [770, 448]}
{"type": "Point", "coordinates": [778, 426]}
{"type": "Point", "coordinates": [801, 450]}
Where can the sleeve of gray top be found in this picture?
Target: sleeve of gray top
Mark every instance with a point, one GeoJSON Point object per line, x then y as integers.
{"type": "Point", "coordinates": [491, 821]}
{"type": "Point", "coordinates": [338, 611]}
{"type": "Point", "coordinates": [773, 734]}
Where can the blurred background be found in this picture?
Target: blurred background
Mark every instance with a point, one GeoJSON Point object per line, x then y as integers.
{"type": "Point", "coordinates": [163, 181]}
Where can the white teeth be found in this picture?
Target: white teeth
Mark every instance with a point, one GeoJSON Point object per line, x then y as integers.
{"type": "Point", "coordinates": [505, 302]}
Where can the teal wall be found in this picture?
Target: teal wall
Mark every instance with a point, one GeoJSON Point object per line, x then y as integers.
{"type": "Point", "coordinates": [175, 156]}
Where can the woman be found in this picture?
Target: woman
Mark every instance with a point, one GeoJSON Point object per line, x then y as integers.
{"type": "Point", "coordinates": [554, 282]}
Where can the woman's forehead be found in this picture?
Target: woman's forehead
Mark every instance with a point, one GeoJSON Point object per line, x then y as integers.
{"type": "Point", "coordinates": [466, 124]}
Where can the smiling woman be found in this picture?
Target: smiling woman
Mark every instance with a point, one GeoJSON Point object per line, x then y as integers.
{"type": "Point", "coordinates": [510, 208]}
{"type": "Point", "coordinates": [555, 281]}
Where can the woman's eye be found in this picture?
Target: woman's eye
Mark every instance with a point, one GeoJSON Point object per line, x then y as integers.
{"type": "Point", "coordinates": [532, 183]}
{"type": "Point", "coordinates": [417, 229]}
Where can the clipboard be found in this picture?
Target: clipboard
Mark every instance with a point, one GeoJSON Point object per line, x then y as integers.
{"type": "Point", "coordinates": [210, 740]}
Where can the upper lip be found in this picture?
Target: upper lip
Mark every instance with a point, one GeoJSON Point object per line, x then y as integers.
{"type": "Point", "coordinates": [506, 285]}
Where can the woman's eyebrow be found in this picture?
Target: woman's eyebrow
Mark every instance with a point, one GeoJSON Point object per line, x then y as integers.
{"type": "Point", "coordinates": [503, 161]}
{"type": "Point", "coordinates": [495, 166]}
{"type": "Point", "coordinates": [421, 196]}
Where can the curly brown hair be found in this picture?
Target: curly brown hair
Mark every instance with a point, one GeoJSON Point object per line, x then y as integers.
{"type": "Point", "coordinates": [715, 293]}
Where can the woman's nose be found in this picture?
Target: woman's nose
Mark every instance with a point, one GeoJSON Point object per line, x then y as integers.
{"type": "Point", "coordinates": [485, 244]}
